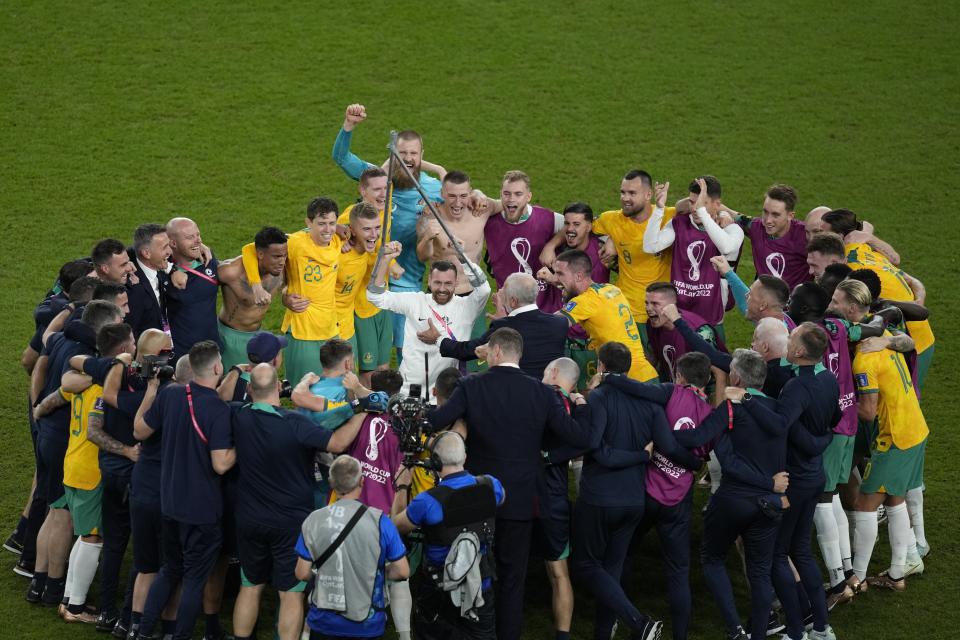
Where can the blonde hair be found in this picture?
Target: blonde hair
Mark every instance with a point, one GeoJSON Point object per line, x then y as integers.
{"type": "Point", "coordinates": [516, 176]}
{"type": "Point", "coordinates": [857, 292]}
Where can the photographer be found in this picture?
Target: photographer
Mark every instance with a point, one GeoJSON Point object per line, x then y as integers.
{"type": "Point", "coordinates": [461, 506]}
{"type": "Point", "coordinates": [273, 497]}
{"type": "Point", "coordinates": [262, 347]}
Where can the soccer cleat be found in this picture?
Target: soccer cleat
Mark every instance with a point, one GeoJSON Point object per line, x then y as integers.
{"type": "Point", "coordinates": [826, 634]}
{"type": "Point", "coordinates": [120, 630]}
{"type": "Point", "coordinates": [84, 616]}
{"type": "Point", "coordinates": [840, 597]}
{"type": "Point", "coordinates": [884, 581]}
{"type": "Point", "coordinates": [13, 545]}
{"type": "Point", "coordinates": [651, 631]}
{"type": "Point", "coordinates": [923, 550]}
{"type": "Point", "coordinates": [858, 585]}
{"type": "Point", "coordinates": [23, 569]}
{"type": "Point", "coordinates": [914, 567]}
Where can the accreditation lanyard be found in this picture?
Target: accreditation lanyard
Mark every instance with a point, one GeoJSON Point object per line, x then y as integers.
{"type": "Point", "coordinates": [729, 416]}
{"type": "Point", "coordinates": [193, 416]}
{"type": "Point", "coordinates": [200, 274]}
{"type": "Point", "coordinates": [443, 323]}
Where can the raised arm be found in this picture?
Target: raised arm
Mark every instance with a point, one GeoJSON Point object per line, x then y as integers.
{"type": "Point", "coordinates": [738, 287]}
{"type": "Point", "coordinates": [345, 159]}
{"type": "Point", "coordinates": [695, 341]}
{"type": "Point", "coordinates": [728, 240]}
{"type": "Point", "coordinates": [141, 429]}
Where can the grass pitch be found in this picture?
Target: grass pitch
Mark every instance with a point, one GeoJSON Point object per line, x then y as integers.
{"type": "Point", "coordinates": [115, 114]}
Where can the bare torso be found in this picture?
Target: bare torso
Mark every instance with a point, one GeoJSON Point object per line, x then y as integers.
{"type": "Point", "coordinates": [239, 310]}
{"type": "Point", "coordinates": [468, 229]}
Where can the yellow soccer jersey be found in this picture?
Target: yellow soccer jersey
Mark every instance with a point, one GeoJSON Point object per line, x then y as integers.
{"type": "Point", "coordinates": [361, 306]}
{"type": "Point", "coordinates": [900, 420]}
{"type": "Point", "coordinates": [350, 279]}
{"type": "Point", "coordinates": [637, 268]}
{"type": "Point", "coordinates": [311, 271]}
{"type": "Point", "coordinates": [893, 286]}
{"type": "Point", "coordinates": [604, 313]}
{"type": "Point", "coordinates": [81, 465]}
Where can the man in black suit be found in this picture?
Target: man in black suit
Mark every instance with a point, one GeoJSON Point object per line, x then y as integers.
{"type": "Point", "coordinates": [544, 334]}
{"type": "Point", "coordinates": [150, 255]}
{"type": "Point", "coordinates": [506, 414]}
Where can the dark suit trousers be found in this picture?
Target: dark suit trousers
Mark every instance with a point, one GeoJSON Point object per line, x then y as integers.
{"type": "Point", "coordinates": [512, 551]}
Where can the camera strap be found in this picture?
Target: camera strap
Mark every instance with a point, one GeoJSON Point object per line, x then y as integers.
{"type": "Point", "coordinates": [193, 416]}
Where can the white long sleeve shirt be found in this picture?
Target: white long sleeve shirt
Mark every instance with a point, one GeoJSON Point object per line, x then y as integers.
{"type": "Point", "coordinates": [454, 320]}
{"type": "Point", "coordinates": [727, 240]}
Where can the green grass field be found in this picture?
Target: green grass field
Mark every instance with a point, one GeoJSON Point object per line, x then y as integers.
{"type": "Point", "coordinates": [114, 114]}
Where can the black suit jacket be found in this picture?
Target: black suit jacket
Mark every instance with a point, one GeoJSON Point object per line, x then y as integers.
{"type": "Point", "coordinates": [507, 413]}
{"type": "Point", "coordinates": [145, 311]}
{"type": "Point", "coordinates": [544, 339]}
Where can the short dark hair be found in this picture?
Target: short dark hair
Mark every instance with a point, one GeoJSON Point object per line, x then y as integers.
{"type": "Point", "coordinates": [370, 173]}
{"type": "Point", "coordinates": [869, 278]}
{"type": "Point", "coordinates": [578, 260]}
{"type": "Point", "coordinates": [386, 380]}
{"type": "Point", "coordinates": [777, 287]}
{"type": "Point", "coordinates": [447, 381]}
{"type": "Point", "coordinates": [695, 368]}
{"type": "Point", "coordinates": [108, 291]}
{"type": "Point", "coordinates": [662, 287]}
{"type": "Point", "coordinates": [73, 270]}
{"type": "Point", "coordinates": [640, 174]}
{"type": "Point", "coordinates": [104, 251]}
{"type": "Point", "coordinates": [112, 336]}
{"type": "Point", "coordinates": [143, 235]}
{"type": "Point", "coordinates": [100, 312]}
{"type": "Point", "coordinates": [202, 356]}
{"type": "Point", "coordinates": [785, 194]}
{"type": "Point", "coordinates": [268, 236]}
{"type": "Point", "coordinates": [507, 339]}
{"type": "Point", "coordinates": [713, 186]}
{"type": "Point", "coordinates": [456, 177]}
{"type": "Point", "coordinates": [333, 351]}
{"type": "Point", "coordinates": [814, 340]}
{"type": "Point", "coordinates": [833, 275]}
{"type": "Point", "coordinates": [581, 208]}
{"type": "Point", "coordinates": [809, 299]}
{"type": "Point", "coordinates": [321, 206]}
{"type": "Point", "coordinates": [829, 244]}
{"type": "Point", "coordinates": [410, 134]}
{"type": "Point", "coordinates": [442, 265]}
{"type": "Point", "coordinates": [841, 221]}
{"type": "Point", "coordinates": [82, 289]}
{"type": "Point", "coordinates": [615, 357]}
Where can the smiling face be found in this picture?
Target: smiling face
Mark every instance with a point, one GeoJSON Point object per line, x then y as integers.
{"type": "Point", "coordinates": [322, 227]}
{"type": "Point", "coordinates": [366, 232]}
{"type": "Point", "coordinates": [576, 229]}
{"type": "Point", "coordinates": [443, 284]}
{"type": "Point", "coordinates": [515, 196]}
{"type": "Point", "coordinates": [775, 217]}
{"type": "Point", "coordinates": [117, 269]}
{"type": "Point", "coordinates": [157, 252]}
{"type": "Point", "coordinates": [185, 239]}
{"type": "Point", "coordinates": [634, 197]}
{"type": "Point", "coordinates": [456, 198]}
{"type": "Point", "coordinates": [375, 192]}
{"type": "Point", "coordinates": [573, 282]}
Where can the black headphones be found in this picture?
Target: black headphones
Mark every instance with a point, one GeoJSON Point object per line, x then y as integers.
{"type": "Point", "coordinates": [435, 463]}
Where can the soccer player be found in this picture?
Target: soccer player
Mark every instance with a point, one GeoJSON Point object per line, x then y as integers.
{"type": "Point", "coordinates": [365, 222]}
{"type": "Point", "coordinates": [885, 394]}
{"type": "Point", "coordinates": [241, 316]}
{"type": "Point", "coordinates": [516, 234]}
{"type": "Point", "coordinates": [406, 200]}
{"type": "Point", "coordinates": [700, 237]}
{"type": "Point", "coordinates": [325, 398]}
{"type": "Point", "coordinates": [193, 307]}
{"type": "Point", "coordinates": [778, 240]}
{"type": "Point", "coordinates": [625, 229]}
{"type": "Point", "coordinates": [601, 309]}
{"type": "Point", "coordinates": [453, 315]}
{"type": "Point", "coordinates": [765, 298]}
{"type": "Point", "coordinates": [666, 344]}
{"type": "Point", "coordinates": [577, 234]}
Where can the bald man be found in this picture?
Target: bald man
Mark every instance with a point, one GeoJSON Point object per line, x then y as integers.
{"type": "Point", "coordinates": [192, 308]}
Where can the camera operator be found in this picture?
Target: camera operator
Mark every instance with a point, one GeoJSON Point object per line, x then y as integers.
{"type": "Point", "coordinates": [460, 507]}
{"type": "Point", "coordinates": [262, 347]}
{"type": "Point", "coordinates": [196, 450]}
{"type": "Point", "coordinates": [275, 450]}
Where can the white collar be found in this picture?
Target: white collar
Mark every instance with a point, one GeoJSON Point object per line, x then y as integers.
{"type": "Point", "coordinates": [147, 271]}
{"type": "Point", "coordinates": [509, 364]}
{"type": "Point", "coordinates": [523, 309]}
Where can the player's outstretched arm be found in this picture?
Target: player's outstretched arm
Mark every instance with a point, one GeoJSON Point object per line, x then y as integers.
{"type": "Point", "coordinates": [346, 159]}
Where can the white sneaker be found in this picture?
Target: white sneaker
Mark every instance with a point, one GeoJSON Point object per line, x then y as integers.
{"type": "Point", "coordinates": [826, 634]}
{"type": "Point", "coordinates": [914, 567]}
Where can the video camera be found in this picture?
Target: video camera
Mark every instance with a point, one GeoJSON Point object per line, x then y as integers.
{"type": "Point", "coordinates": [408, 418]}
{"type": "Point", "coordinates": [157, 366]}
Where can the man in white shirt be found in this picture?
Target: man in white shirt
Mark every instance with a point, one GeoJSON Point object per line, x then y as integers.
{"type": "Point", "coordinates": [151, 257]}
{"type": "Point", "coordinates": [453, 315]}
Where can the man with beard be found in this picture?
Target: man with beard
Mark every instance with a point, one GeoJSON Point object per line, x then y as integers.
{"type": "Point", "coordinates": [192, 308]}
{"type": "Point", "coordinates": [406, 200]}
{"type": "Point", "coordinates": [517, 232]}
{"type": "Point", "coordinates": [433, 243]}
{"type": "Point", "coordinates": [577, 234]}
{"type": "Point", "coordinates": [242, 316]}
{"type": "Point", "coordinates": [601, 309]}
{"type": "Point", "coordinates": [700, 238]}
{"type": "Point", "coordinates": [453, 315]}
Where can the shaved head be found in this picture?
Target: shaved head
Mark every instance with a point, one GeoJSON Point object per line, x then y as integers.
{"type": "Point", "coordinates": [814, 220]}
{"type": "Point", "coordinates": [152, 342]}
{"type": "Point", "coordinates": [563, 373]}
{"type": "Point", "coordinates": [185, 241]}
{"type": "Point", "coordinates": [263, 382]}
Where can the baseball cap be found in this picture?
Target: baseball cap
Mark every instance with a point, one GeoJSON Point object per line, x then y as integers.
{"type": "Point", "coordinates": [264, 347]}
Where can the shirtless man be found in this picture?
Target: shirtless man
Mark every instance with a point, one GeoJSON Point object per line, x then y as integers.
{"type": "Point", "coordinates": [433, 244]}
{"type": "Point", "coordinates": [241, 315]}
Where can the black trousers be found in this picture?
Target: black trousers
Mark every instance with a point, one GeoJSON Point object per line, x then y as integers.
{"type": "Point", "coordinates": [115, 512]}
{"type": "Point", "coordinates": [436, 618]}
{"type": "Point", "coordinates": [511, 550]}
